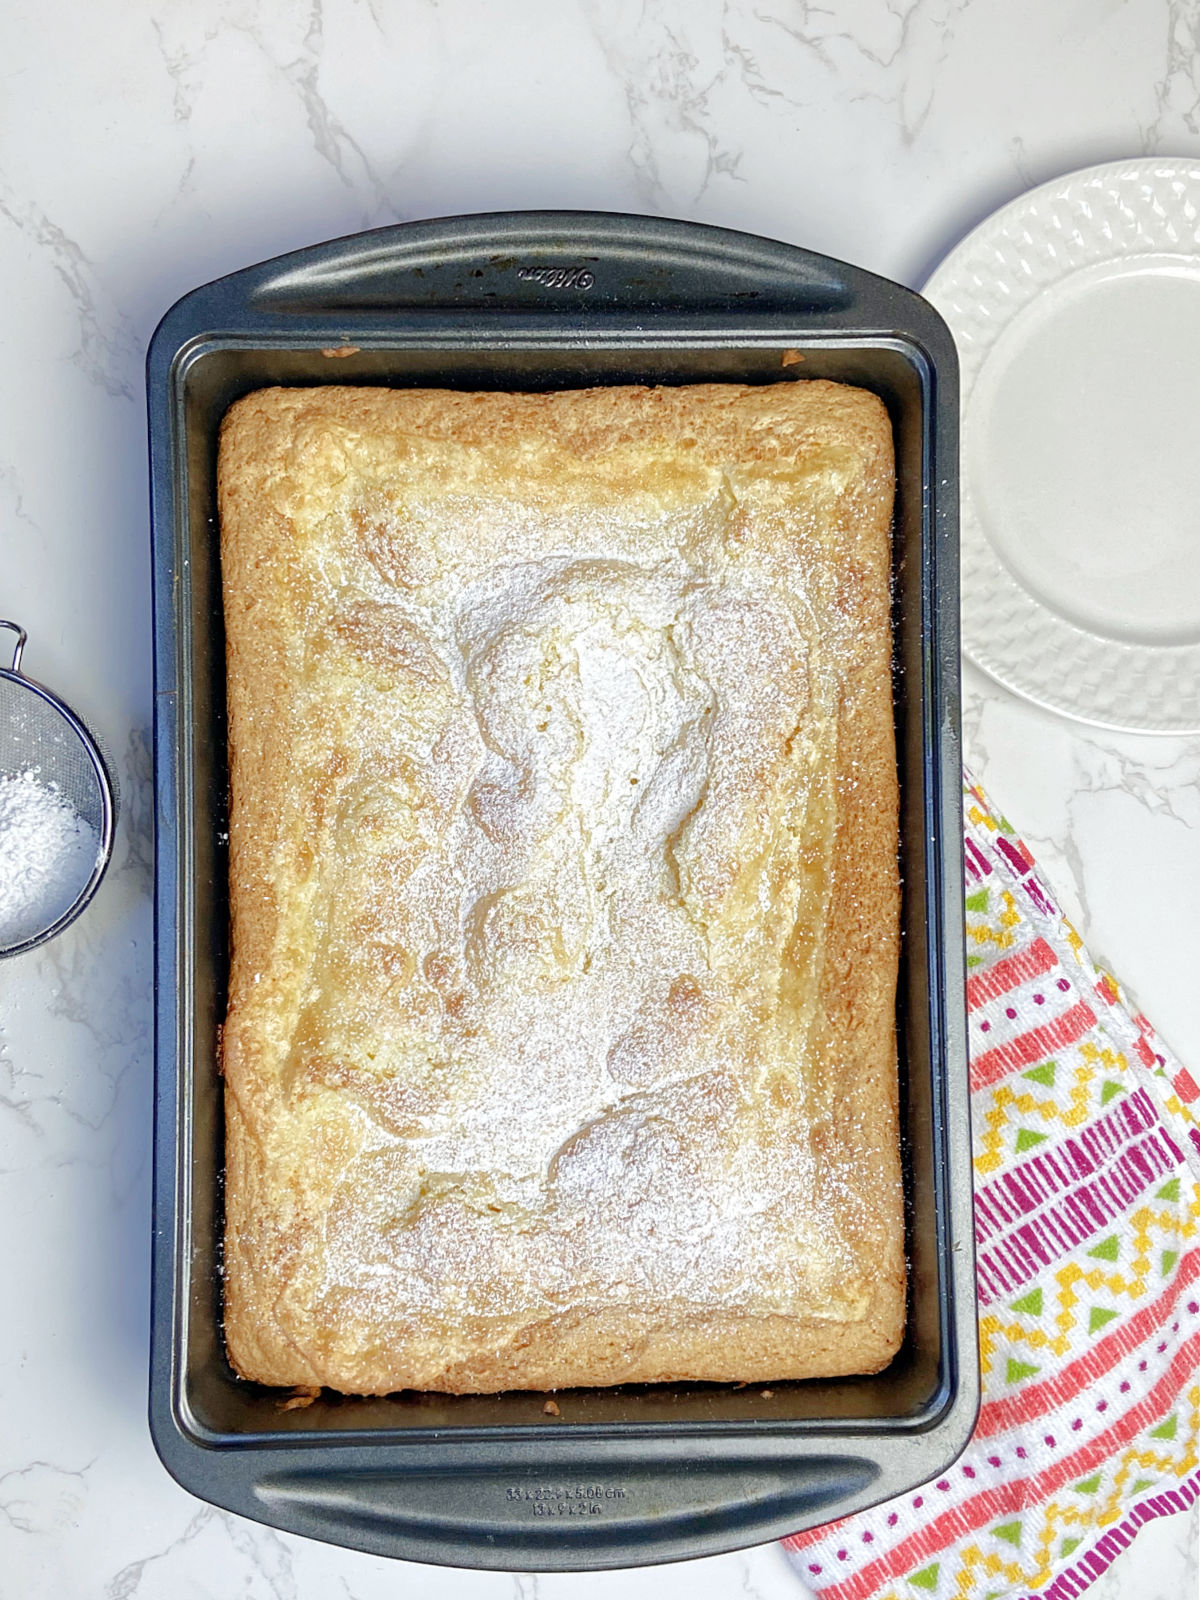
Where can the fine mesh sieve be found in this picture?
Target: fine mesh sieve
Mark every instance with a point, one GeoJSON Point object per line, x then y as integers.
{"type": "Point", "coordinates": [57, 810]}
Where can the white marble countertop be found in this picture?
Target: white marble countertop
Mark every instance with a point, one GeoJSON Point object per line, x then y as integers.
{"type": "Point", "coordinates": [144, 150]}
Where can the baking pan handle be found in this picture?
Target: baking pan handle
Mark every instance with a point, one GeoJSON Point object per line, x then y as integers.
{"type": "Point", "coordinates": [547, 1519]}
{"type": "Point", "coordinates": [548, 261]}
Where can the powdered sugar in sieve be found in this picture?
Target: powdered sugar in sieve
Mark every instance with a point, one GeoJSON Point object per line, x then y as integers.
{"type": "Point", "coordinates": [56, 810]}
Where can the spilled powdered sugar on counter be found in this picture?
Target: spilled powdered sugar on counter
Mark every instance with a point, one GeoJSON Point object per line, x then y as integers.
{"type": "Point", "coordinates": [47, 854]}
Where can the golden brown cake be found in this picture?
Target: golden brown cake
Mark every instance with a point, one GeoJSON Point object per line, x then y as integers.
{"type": "Point", "coordinates": [560, 1046]}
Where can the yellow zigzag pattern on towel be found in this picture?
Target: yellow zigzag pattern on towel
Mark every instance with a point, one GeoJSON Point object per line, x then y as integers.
{"type": "Point", "coordinates": [1155, 1229]}
{"type": "Point", "coordinates": [1009, 1102]}
{"type": "Point", "coordinates": [1009, 1099]}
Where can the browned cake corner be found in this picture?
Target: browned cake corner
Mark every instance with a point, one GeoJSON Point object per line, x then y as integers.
{"type": "Point", "coordinates": [560, 1046]}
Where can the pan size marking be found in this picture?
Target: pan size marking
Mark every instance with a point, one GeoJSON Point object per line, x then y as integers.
{"type": "Point", "coordinates": [559, 277]}
{"type": "Point", "coordinates": [565, 1499]}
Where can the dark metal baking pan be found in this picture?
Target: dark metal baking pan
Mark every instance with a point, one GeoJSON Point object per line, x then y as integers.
{"type": "Point", "coordinates": [622, 1476]}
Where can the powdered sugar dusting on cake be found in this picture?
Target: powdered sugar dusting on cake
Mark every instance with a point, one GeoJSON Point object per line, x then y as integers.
{"type": "Point", "coordinates": [571, 871]}
{"type": "Point", "coordinates": [595, 942]}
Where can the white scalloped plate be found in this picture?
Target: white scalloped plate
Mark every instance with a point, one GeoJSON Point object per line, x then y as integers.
{"type": "Point", "coordinates": [1076, 311]}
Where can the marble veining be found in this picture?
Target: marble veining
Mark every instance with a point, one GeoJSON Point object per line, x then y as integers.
{"type": "Point", "coordinates": [141, 155]}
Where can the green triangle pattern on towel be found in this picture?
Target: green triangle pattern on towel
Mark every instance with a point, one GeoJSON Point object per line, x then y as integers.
{"type": "Point", "coordinates": [1106, 1250]}
{"type": "Point", "coordinates": [1088, 1485]}
{"type": "Point", "coordinates": [977, 902]}
{"type": "Point", "coordinates": [1111, 1088]}
{"type": "Point", "coordinates": [1170, 1257]}
{"type": "Point", "coordinates": [1043, 1074]}
{"type": "Point", "coordinates": [974, 961]}
{"type": "Point", "coordinates": [1098, 1316]}
{"type": "Point", "coordinates": [927, 1577]}
{"type": "Point", "coordinates": [1067, 1546]}
{"type": "Point", "coordinates": [1029, 1305]}
{"type": "Point", "coordinates": [1008, 1530]}
{"type": "Point", "coordinates": [1169, 1191]}
{"type": "Point", "coordinates": [1165, 1430]}
{"type": "Point", "coordinates": [1141, 1483]}
{"type": "Point", "coordinates": [1027, 1138]}
{"type": "Point", "coordinates": [1019, 1369]}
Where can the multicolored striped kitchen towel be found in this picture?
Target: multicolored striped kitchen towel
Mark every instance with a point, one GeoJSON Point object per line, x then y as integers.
{"type": "Point", "coordinates": [1087, 1196]}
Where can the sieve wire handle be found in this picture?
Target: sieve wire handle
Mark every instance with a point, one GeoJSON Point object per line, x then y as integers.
{"type": "Point", "coordinates": [19, 649]}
